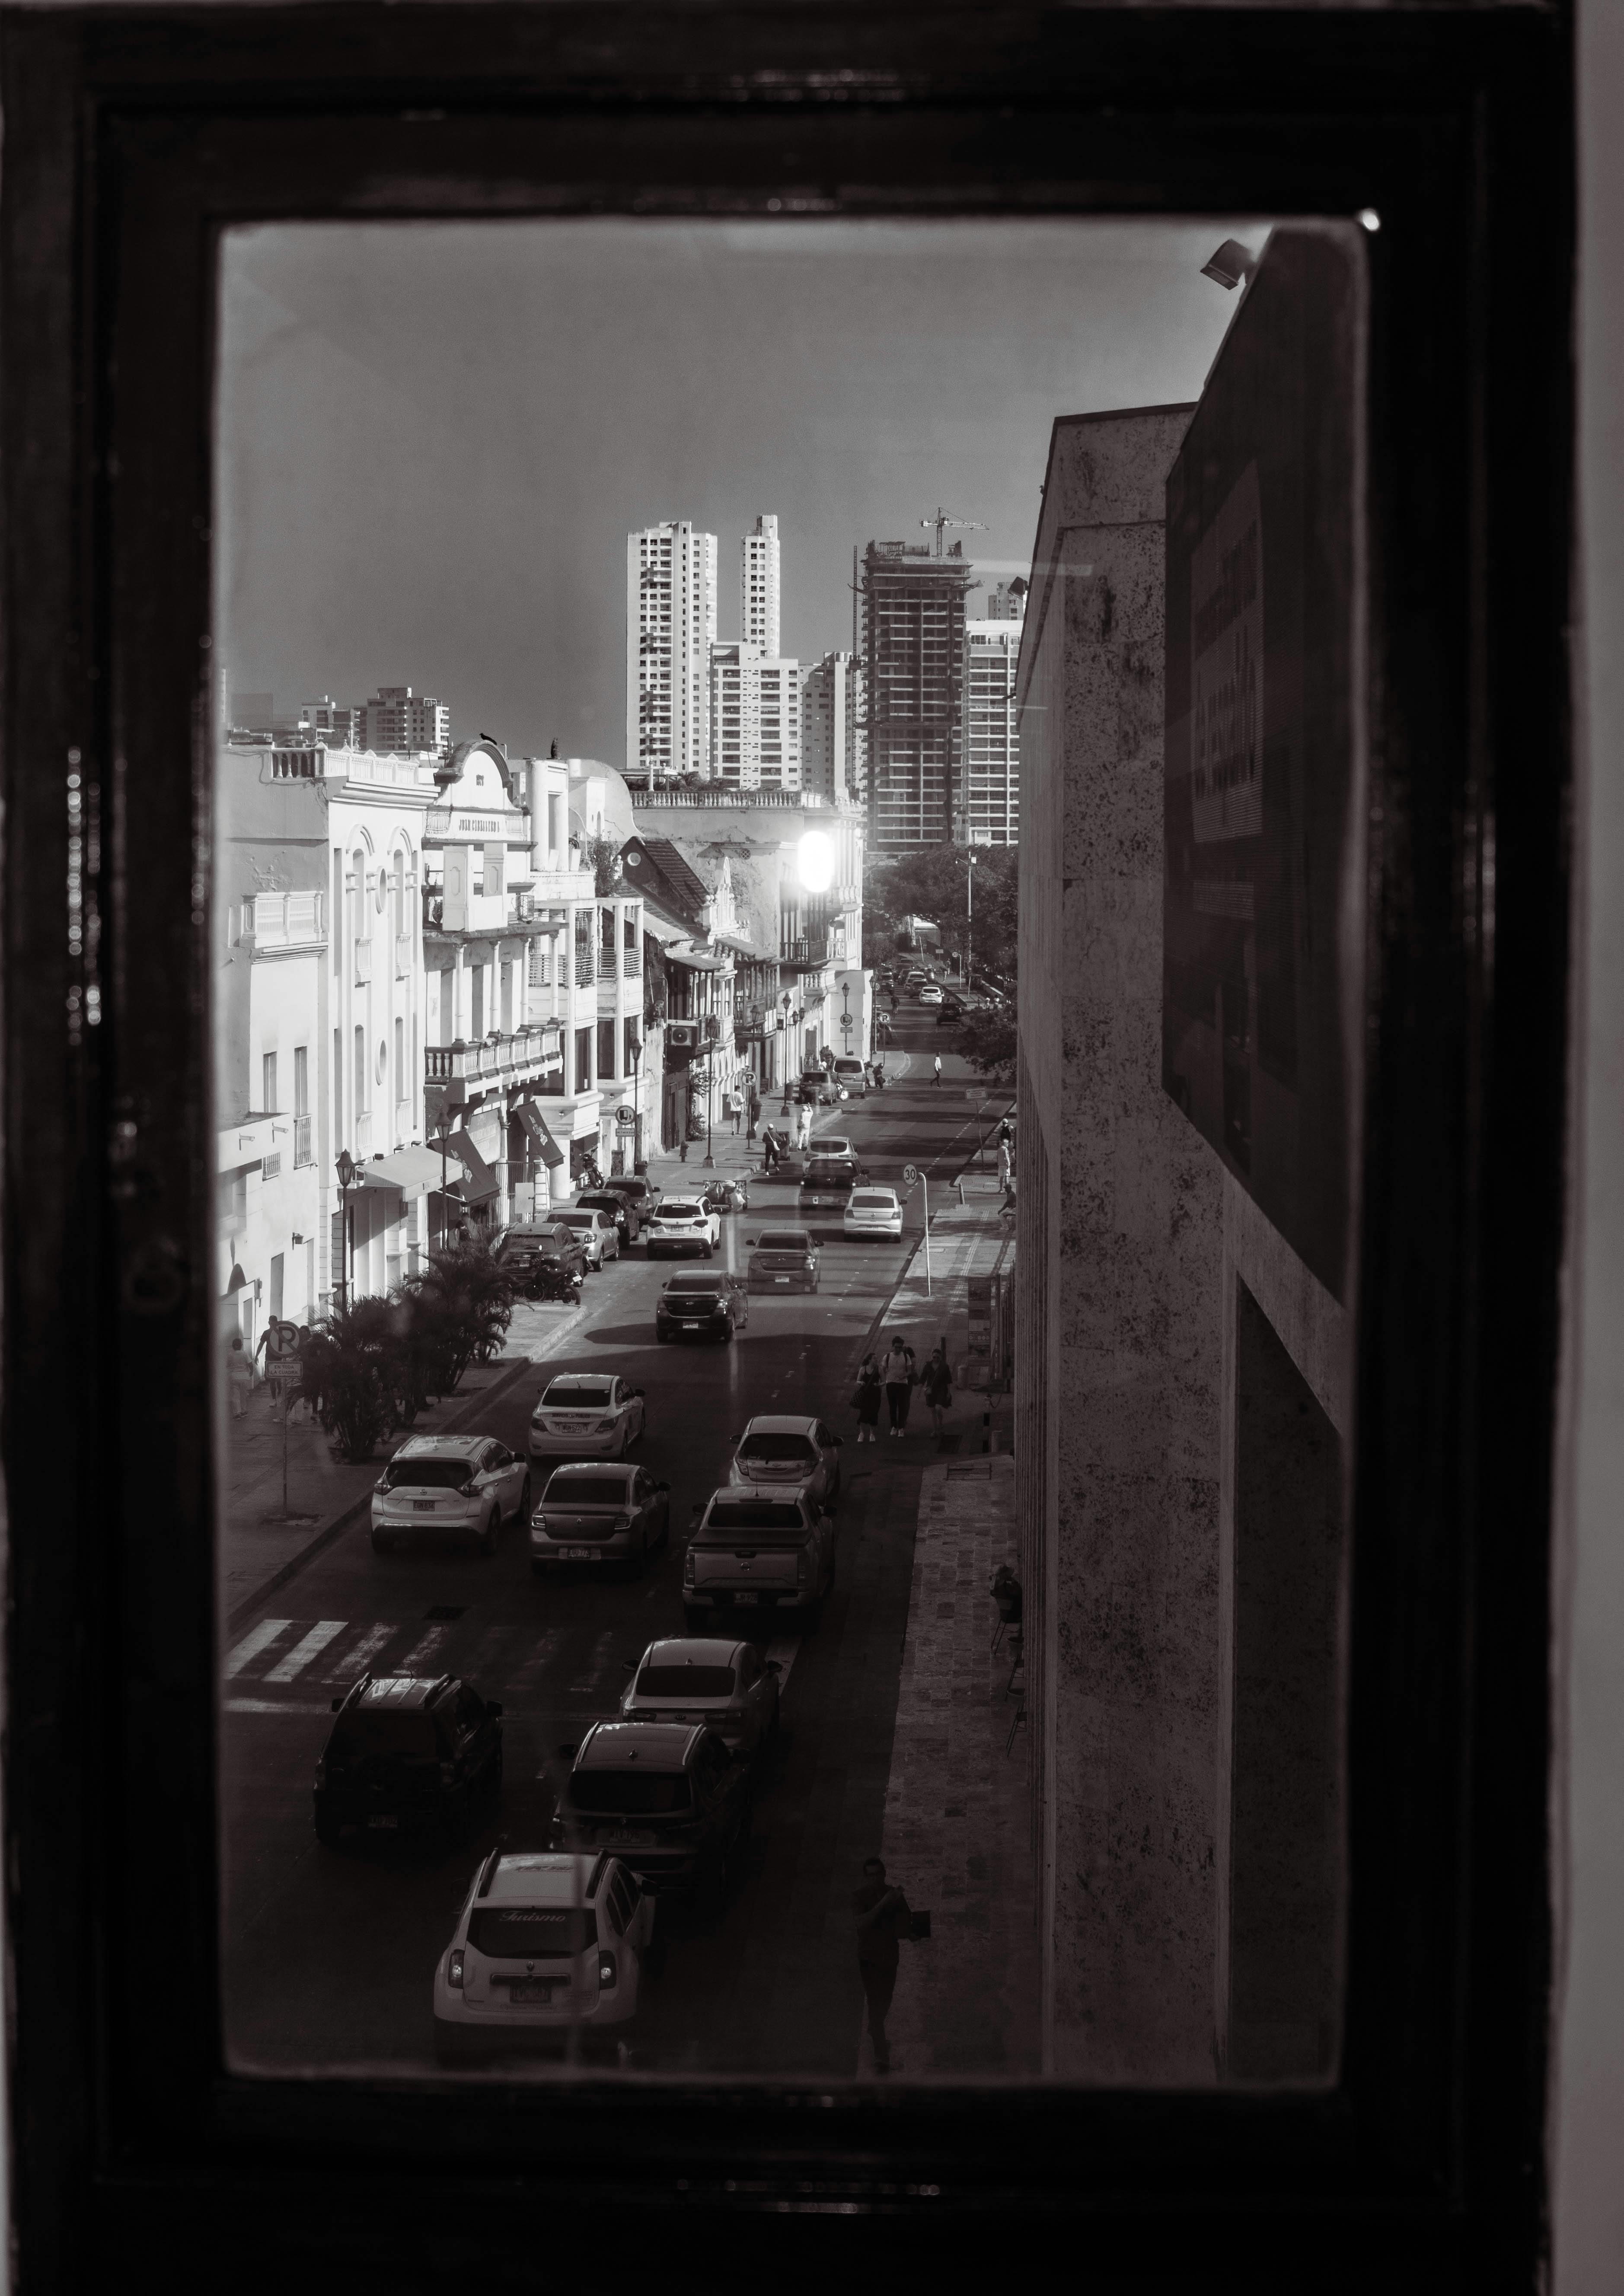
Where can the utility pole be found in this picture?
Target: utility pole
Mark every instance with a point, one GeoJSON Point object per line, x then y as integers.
{"type": "Point", "coordinates": [969, 915]}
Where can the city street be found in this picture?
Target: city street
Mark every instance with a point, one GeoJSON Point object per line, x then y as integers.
{"type": "Point", "coordinates": [328, 1955]}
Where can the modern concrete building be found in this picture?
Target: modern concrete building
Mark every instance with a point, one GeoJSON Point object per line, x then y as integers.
{"type": "Point", "coordinates": [908, 632]}
{"type": "Point", "coordinates": [339, 725]}
{"type": "Point", "coordinates": [670, 627]}
{"type": "Point", "coordinates": [755, 720]}
{"type": "Point", "coordinates": [401, 723]}
{"type": "Point", "coordinates": [833, 730]}
{"type": "Point", "coordinates": [758, 586]}
{"type": "Point", "coordinates": [989, 808]}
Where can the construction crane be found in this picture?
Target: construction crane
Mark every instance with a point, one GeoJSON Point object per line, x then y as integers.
{"type": "Point", "coordinates": [941, 520]}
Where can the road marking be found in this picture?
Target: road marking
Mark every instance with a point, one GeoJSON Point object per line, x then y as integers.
{"type": "Point", "coordinates": [418, 1656]}
{"type": "Point", "coordinates": [312, 1646]}
{"type": "Point", "coordinates": [264, 1635]}
{"type": "Point", "coordinates": [356, 1661]}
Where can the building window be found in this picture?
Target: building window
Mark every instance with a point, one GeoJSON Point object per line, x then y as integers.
{"type": "Point", "coordinates": [301, 1104]}
{"type": "Point", "coordinates": [582, 1060]}
{"type": "Point", "coordinates": [629, 1063]}
{"type": "Point", "coordinates": [360, 1102]}
{"type": "Point", "coordinates": [400, 1067]}
{"type": "Point", "coordinates": [606, 1050]}
{"type": "Point", "coordinates": [338, 909]}
{"type": "Point", "coordinates": [267, 1082]}
{"type": "Point", "coordinates": [338, 1084]}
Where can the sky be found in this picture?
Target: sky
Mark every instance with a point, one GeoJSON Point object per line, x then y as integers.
{"type": "Point", "coordinates": [432, 439]}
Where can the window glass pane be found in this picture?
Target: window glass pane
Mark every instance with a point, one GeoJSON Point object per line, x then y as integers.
{"type": "Point", "coordinates": [1003, 756]}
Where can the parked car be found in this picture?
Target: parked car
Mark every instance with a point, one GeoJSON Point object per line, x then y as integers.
{"type": "Point", "coordinates": [782, 1259]}
{"type": "Point", "coordinates": [759, 1549]}
{"type": "Point", "coordinates": [872, 1211]}
{"type": "Point", "coordinates": [462, 1487]}
{"type": "Point", "coordinates": [829, 1182]}
{"type": "Point", "coordinates": [599, 1232]}
{"type": "Point", "coordinates": [545, 1942]}
{"type": "Point", "coordinates": [588, 1513]}
{"type": "Point", "coordinates": [667, 1799]}
{"type": "Point", "coordinates": [953, 1008]}
{"type": "Point", "coordinates": [642, 1195]}
{"type": "Point", "coordinates": [407, 1754]}
{"type": "Point", "coordinates": [620, 1209]}
{"type": "Point", "coordinates": [530, 1247]}
{"type": "Point", "coordinates": [853, 1075]}
{"type": "Point", "coordinates": [792, 1452]}
{"type": "Point", "coordinates": [728, 1686]}
{"type": "Point", "coordinates": [587, 1415]}
{"type": "Point", "coordinates": [931, 993]}
{"type": "Point", "coordinates": [701, 1306]}
{"type": "Point", "coordinates": [683, 1224]}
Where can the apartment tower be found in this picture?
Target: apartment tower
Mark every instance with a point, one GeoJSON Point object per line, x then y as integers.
{"type": "Point", "coordinates": [670, 626]}
{"type": "Point", "coordinates": [755, 720]}
{"type": "Point", "coordinates": [908, 616]}
{"type": "Point", "coordinates": [758, 586]}
{"type": "Point", "coordinates": [988, 811]}
{"type": "Point", "coordinates": [833, 737]}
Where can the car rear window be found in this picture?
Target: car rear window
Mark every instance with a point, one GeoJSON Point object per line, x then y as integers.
{"type": "Point", "coordinates": [577, 1220]}
{"type": "Point", "coordinates": [679, 1212]}
{"type": "Point", "coordinates": [692, 1285]}
{"type": "Point", "coordinates": [576, 1394]}
{"type": "Point", "coordinates": [383, 1730]}
{"type": "Point", "coordinates": [754, 1514]}
{"type": "Point", "coordinates": [872, 1200]}
{"type": "Point", "coordinates": [686, 1682]}
{"type": "Point", "coordinates": [586, 1490]}
{"type": "Point", "coordinates": [778, 1450]}
{"type": "Point", "coordinates": [531, 1932]}
{"type": "Point", "coordinates": [428, 1474]}
{"type": "Point", "coordinates": [783, 1239]}
{"type": "Point", "coordinates": [629, 1793]}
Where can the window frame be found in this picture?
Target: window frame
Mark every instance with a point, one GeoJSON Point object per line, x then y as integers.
{"type": "Point", "coordinates": [130, 135]}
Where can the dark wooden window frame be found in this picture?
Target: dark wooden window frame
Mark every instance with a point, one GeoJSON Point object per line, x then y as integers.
{"type": "Point", "coordinates": [130, 138]}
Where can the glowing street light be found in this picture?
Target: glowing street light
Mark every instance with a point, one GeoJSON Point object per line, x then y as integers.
{"type": "Point", "coordinates": [817, 861]}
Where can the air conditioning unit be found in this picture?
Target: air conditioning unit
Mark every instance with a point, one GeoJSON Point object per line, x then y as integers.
{"type": "Point", "coordinates": [681, 1035]}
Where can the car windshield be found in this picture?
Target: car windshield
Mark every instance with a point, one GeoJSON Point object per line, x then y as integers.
{"type": "Point", "coordinates": [576, 1394]}
{"type": "Point", "coordinates": [383, 1730]}
{"type": "Point", "coordinates": [586, 1490]}
{"type": "Point", "coordinates": [686, 1682]}
{"type": "Point", "coordinates": [754, 1514]}
{"type": "Point", "coordinates": [531, 1932]}
{"type": "Point", "coordinates": [779, 1450]}
{"type": "Point", "coordinates": [629, 1793]}
{"type": "Point", "coordinates": [428, 1474]}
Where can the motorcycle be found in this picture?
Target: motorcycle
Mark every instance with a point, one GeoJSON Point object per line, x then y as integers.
{"type": "Point", "coordinates": [726, 1196]}
{"type": "Point", "coordinates": [878, 1077]}
{"type": "Point", "coordinates": [550, 1279]}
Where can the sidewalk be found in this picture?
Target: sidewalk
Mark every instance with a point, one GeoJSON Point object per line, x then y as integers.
{"type": "Point", "coordinates": [261, 1547]}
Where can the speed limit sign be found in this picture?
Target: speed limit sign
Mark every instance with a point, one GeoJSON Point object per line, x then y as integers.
{"type": "Point", "coordinates": [910, 1173]}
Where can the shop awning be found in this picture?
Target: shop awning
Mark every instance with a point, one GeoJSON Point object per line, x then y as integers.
{"type": "Point", "coordinates": [415, 1171]}
{"type": "Point", "coordinates": [536, 1124]}
{"type": "Point", "coordinates": [696, 960]}
{"type": "Point", "coordinates": [481, 1182]}
{"type": "Point", "coordinates": [745, 948]}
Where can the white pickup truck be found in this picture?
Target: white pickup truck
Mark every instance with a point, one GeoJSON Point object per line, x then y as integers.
{"type": "Point", "coordinates": [756, 1551]}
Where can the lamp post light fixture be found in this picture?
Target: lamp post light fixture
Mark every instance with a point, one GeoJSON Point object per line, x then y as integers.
{"type": "Point", "coordinates": [347, 1180]}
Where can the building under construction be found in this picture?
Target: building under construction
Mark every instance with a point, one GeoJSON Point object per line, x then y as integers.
{"type": "Point", "coordinates": [908, 633]}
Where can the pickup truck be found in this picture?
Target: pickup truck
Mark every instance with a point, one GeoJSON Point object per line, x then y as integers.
{"type": "Point", "coordinates": [758, 1549]}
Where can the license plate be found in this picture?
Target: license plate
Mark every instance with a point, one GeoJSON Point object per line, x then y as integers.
{"type": "Point", "coordinates": [578, 1554]}
{"type": "Point", "coordinates": [523, 1988]}
{"type": "Point", "coordinates": [692, 1327]}
{"type": "Point", "coordinates": [747, 1600]}
{"type": "Point", "coordinates": [423, 1506]}
{"type": "Point", "coordinates": [624, 1841]}
{"type": "Point", "coordinates": [384, 1824]}
{"type": "Point", "coordinates": [780, 1279]}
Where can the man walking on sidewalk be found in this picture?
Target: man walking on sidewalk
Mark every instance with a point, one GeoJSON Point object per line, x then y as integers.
{"type": "Point", "coordinates": [882, 1917]}
{"type": "Point", "coordinates": [937, 1075]}
{"type": "Point", "coordinates": [897, 1372]}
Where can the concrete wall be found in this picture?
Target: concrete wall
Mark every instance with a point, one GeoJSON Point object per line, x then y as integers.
{"type": "Point", "coordinates": [1117, 1403]}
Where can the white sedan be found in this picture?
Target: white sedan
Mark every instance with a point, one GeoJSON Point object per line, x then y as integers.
{"type": "Point", "coordinates": [599, 1233]}
{"type": "Point", "coordinates": [587, 1415]}
{"type": "Point", "coordinates": [872, 1211]}
{"type": "Point", "coordinates": [684, 1224]}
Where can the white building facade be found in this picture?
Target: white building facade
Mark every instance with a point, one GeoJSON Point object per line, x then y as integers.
{"type": "Point", "coordinates": [758, 586]}
{"type": "Point", "coordinates": [755, 720]}
{"type": "Point", "coordinates": [402, 723]}
{"type": "Point", "coordinates": [834, 746]}
{"type": "Point", "coordinates": [670, 626]}
{"type": "Point", "coordinates": [989, 808]}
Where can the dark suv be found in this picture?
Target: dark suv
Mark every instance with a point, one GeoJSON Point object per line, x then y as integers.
{"type": "Point", "coordinates": [667, 1799]}
{"type": "Point", "coordinates": [829, 1181]}
{"type": "Point", "coordinates": [535, 1248]}
{"type": "Point", "coordinates": [408, 1754]}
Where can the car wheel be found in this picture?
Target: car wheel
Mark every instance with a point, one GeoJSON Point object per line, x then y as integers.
{"type": "Point", "coordinates": [488, 1537]}
{"type": "Point", "coordinates": [708, 1252]}
{"type": "Point", "coordinates": [521, 1512]}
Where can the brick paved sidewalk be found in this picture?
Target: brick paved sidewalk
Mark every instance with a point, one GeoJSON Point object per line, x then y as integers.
{"type": "Point", "coordinates": [957, 1833]}
{"type": "Point", "coordinates": [260, 1544]}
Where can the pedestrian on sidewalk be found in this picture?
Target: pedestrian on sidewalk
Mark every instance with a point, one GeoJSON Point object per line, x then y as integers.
{"type": "Point", "coordinates": [883, 1916]}
{"type": "Point", "coordinates": [754, 1110]}
{"type": "Point", "coordinates": [936, 1066]}
{"type": "Point", "coordinates": [899, 1374]}
{"type": "Point", "coordinates": [239, 1376]}
{"type": "Point", "coordinates": [866, 1401]}
{"type": "Point", "coordinates": [803, 1130]}
{"type": "Point", "coordinates": [1004, 1166]}
{"type": "Point", "coordinates": [939, 1386]}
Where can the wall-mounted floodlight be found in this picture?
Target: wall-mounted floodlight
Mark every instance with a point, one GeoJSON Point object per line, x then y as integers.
{"type": "Point", "coordinates": [817, 861]}
{"type": "Point", "coordinates": [1230, 265]}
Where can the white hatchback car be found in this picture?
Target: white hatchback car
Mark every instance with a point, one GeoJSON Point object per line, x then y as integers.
{"type": "Point", "coordinates": [683, 1224]}
{"type": "Point", "coordinates": [587, 1415]}
{"type": "Point", "coordinates": [598, 1231]}
{"type": "Point", "coordinates": [872, 1211]}
{"type": "Point", "coordinates": [546, 1941]}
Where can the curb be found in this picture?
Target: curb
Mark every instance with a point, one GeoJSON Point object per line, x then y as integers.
{"type": "Point", "coordinates": [324, 1538]}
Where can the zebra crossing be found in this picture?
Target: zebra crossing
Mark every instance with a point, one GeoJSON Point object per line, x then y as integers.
{"type": "Point", "coordinates": [298, 1655]}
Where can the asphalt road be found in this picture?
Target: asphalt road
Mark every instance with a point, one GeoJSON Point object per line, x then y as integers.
{"type": "Point", "coordinates": [328, 1955]}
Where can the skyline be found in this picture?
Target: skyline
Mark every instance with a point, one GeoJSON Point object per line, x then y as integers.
{"type": "Point", "coordinates": [419, 483]}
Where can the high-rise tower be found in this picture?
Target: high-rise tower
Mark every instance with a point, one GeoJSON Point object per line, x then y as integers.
{"type": "Point", "coordinates": [670, 624]}
{"type": "Point", "coordinates": [909, 616]}
{"type": "Point", "coordinates": [758, 587]}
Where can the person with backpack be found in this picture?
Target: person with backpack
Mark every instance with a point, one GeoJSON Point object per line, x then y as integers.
{"type": "Point", "coordinates": [938, 1385]}
{"type": "Point", "coordinates": [866, 1401]}
{"type": "Point", "coordinates": [899, 1375]}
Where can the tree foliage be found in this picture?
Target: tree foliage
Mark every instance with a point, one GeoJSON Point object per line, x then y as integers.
{"type": "Point", "coordinates": [987, 1040]}
{"type": "Point", "coordinates": [931, 883]}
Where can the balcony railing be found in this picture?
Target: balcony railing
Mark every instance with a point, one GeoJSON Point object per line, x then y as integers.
{"type": "Point", "coordinates": [811, 950]}
{"type": "Point", "coordinates": [631, 963]}
{"type": "Point", "coordinates": [584, 973]}
{"type": "Point", "coordinates": [403, 957]}
{"type": "Point", "coordinates": [301, 1140]}
{"type": "Point", "coordinates": [525, 1049]}
{"type": "Point", "coordinates": [363, 961]}
{"type": "Point", "coordinates": [287, 920]}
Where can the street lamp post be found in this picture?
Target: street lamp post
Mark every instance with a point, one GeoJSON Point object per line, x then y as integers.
{"type": "Point", "coordinates": [786, 1051]}
{"type": "Point", "coordinates": [969, 915]}
{"type": "Point", "coordinates": [635, 1045]}
{"type": "Point", "coordinates": [347, 1178]}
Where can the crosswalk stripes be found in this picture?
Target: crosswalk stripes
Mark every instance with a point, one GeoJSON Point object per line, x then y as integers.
{"type": "Point", "coordinates": [416, 1660]}
{"type": "Point", "coordinates": [248, 1649]}
{"type": "Point", "coordinates": [360, 1655]}
{"type": "Point", "coordinates": [310, 1646]}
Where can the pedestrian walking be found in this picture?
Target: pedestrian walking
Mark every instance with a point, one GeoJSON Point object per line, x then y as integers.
{"type": "Point", "coordinates": [1003, 1166]}
{"type": "Point", "coordinates": [899, 1374]}
{"type": "Point", "coordinates": [939, 1386]}
{"type": "Point", "coordinates": [884, 1917]}
{"type": "Point", "coordinates": [803, 1130]}
{"type": "Point", "coordinates": [936, 1077]}
{"type": "Point", "coordinates": [754, 1110]}
{"type": "Point", "coordinates": [866, 1401]}
{"type": "Point", "coordinates": [239, 1376]}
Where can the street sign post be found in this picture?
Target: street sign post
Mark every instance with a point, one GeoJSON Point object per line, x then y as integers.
{"type": "Point", "coordinates": [910, 1173]}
